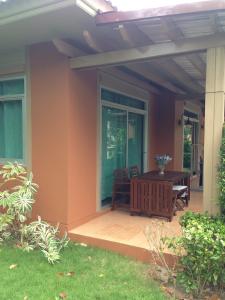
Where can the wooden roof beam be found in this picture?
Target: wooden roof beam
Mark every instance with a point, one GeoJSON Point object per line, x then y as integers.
{"type": "Point", "coordinates": [174, 33]}
{"type": "Point", "coordinates": [65, 48]}
{"type": "Point", "coordinates": [149, 52]}
{"type": "Point", "coordinates": [117, 17]}
{"type": "Point", "coordinates": [91, 41]}
{"type": "Point", "coordinates": [133, 36]}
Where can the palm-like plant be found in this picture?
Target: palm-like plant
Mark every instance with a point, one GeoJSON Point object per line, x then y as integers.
{"type": "Point", "coordinates": [17, 191]}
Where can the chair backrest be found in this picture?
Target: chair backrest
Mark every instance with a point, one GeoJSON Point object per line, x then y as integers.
{"type": "Point", "coordinates": [134, 171]}
{"type": "Point", "coordinates": [152, 197]}
{"type": "Point", "coordinates": [121, 175]}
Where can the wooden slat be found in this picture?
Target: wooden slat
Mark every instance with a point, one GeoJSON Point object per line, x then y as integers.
{"type": "Point", "coordinates": [148, 52]}
{"type": "Point", "coordinates": [198, 63]}
{"type": "Point", "coordinates": [145, 70]}
{"type": "Point", "coordinates": [176, 72]}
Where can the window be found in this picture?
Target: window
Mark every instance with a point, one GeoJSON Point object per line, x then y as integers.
{"type": "Point", "coordinates": [123, 137]}
{"type": "Point", "coordinates": [11, 119]}
{"type": "Point", "coordinates": [191, 145]}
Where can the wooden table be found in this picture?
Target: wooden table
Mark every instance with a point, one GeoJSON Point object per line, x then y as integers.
{"type": "Point", "coordinates": [176, 177]}
{"type": "Point", "coordinates": [152, 193]}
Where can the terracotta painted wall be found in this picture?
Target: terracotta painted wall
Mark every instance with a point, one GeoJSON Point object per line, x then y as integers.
{"type": "Point", "coordinates": [65, 145]}
{"type": "Point", "coordinates": [82, 147]}
{"type": "Point", "coordinates": [162, 114]}
{"type": "Point", "coordinates": [64, 137]}
{"type": "Point", "coordinates": [50, 94]}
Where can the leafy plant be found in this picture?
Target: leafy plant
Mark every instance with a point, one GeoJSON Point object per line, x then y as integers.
{"type": "Point", "coordinates": [17, 191]}
{"type": "Point", "coordinates": [221, 175]}
{"type": "Point", "coordinates": [203, 248]}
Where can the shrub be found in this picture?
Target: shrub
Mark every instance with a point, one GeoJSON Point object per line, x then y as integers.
{"type": "Point", "coordinates": [203, 245]}
{"type": "Point", "coordinates": [16, 199]}
{"type": "Point", "coordinates": [221, 175]}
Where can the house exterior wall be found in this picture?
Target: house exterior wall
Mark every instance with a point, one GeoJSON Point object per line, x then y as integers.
{"type": "Point", "coordinates": [50, 94]}
{"type": "Point", "coordinates": [82, 168]}
{"type": "Point", "coordinates": [65, 136]}
{"type": "Point", "coordinates": [162, 129]}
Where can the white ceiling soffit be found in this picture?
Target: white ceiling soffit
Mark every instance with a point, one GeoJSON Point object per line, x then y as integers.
{"type": "Point", "coordinates": [14, 10]}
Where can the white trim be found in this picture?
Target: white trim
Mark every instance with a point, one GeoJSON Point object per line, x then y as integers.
{"type": "Point", "coordinates": [26, 9]}
{"type": "Point", "coordinates": [124, 107]}
{"type": "Point", "coordinates": [118, 91]}
{"type": "Point", "coordinates": [24, 119]}
{"type": "Point", "coordinates": [11, 97]}
{"type": "Point", "coordinates": [116, 84]}
{"type": "Point", "coordinates": [99, 147]}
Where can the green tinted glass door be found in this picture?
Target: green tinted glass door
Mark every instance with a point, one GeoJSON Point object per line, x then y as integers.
{"type": "Point", "coordinates": [135, 140]}
{"type": "Point", "coordinates": [114, 147]}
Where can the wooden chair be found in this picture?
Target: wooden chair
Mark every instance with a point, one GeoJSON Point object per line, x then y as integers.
{"type": "Point", "coordinates": [184, 195]}
{"type": "Point", "coordinates": [181, 196]}
{"type": "Point", "coordinates": [134, 171]}
{"type": "Point", "coordinates": [151, 197]}
{"type": "Point", "coordinates": [121, 189]}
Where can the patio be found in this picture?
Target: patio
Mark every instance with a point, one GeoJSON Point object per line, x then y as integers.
{"type": "Point", "coordinates": [120, 232]}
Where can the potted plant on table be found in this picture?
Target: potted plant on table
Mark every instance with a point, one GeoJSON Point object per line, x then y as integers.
{"type": "Point", "coordinates": [162, 161]}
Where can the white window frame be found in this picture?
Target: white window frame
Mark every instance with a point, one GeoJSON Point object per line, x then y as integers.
{"type": "Point", "coordinates": [21, 97]}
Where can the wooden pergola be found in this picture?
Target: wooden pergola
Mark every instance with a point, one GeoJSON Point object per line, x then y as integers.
{"type": "Point", "coordinates": [177, 49]}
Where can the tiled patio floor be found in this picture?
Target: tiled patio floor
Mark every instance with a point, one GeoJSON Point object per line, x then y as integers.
{"type": "Point", "coordinates": [121, 228]}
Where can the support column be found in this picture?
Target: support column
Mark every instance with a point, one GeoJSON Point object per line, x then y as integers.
{"type": "Point", "coordinates": [214, 119]}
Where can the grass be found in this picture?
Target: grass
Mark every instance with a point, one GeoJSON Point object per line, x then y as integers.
{"type": "Point", "coordinates": [98, 275]}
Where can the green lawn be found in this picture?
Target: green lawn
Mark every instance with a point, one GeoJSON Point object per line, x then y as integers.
{"type": "Point", "coordinates": [98, 274]}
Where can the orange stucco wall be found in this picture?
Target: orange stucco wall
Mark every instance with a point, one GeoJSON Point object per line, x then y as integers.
{"type": "Point", "coordinates": [162, 115]}
{"type": "Point", "coordinates": [49, 114]}
{"type": "Point", "coordinates": [64, 137]}
{"type": "Point", "coordinates": [65, 142]}
{"type": "Point", "coordinates": [82, 147]}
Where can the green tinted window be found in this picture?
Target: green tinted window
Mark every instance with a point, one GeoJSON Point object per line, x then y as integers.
{"type": "Point", "coordinates": [11, 120]}
{"type": "Point", "coordinates": [121, 99]}
{"type": "Point", "coordinates": [12, 87]}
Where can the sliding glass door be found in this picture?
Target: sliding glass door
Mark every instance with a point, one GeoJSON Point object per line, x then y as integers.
{"type": "Point", "coordinates": [135, 140]}
{"type": "Point", "coordinates": [122, 140]}
{"type": "Point", "coordinates": [114, 145]}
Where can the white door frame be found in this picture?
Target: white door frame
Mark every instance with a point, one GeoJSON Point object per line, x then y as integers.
{"type": "Point", "coordinates": [128, 109]}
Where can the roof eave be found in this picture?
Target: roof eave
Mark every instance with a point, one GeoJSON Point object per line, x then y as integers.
{"type": "Point", "coordinates": [117, 17]}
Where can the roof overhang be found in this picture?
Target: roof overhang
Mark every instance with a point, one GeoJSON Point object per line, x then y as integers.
{"type": "Point", "coordinates": [12, 11]}
{"type": "Point", "coordinates": [117, 17]}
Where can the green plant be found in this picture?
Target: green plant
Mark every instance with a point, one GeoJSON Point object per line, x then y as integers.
{"type": "Point", "coordinates": [221, 175]}
{"type": "Point", "coordinates": [203, 247]}
{"type": "Point", "coordinates": [16, 199]}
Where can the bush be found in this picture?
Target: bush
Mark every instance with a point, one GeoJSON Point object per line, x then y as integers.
{"type": "Point", "coordinates": [203, 246]}
{"type": "Point", "coordinates": [221, 175]}
{"type": "Point", "coordinates": [16, 199]}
